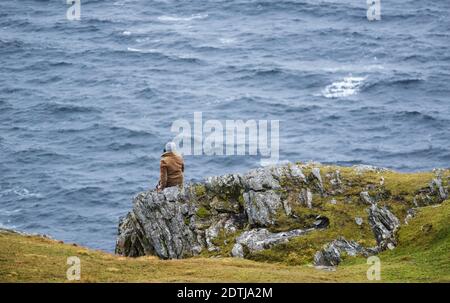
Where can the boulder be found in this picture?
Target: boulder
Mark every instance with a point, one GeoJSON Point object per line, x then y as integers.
{"type": "Point", "coordinates": [261, 238]}
{"type": "Point", "coordinates": [331, 254]}
{"type": "Point", "coordinates": [384, 225]}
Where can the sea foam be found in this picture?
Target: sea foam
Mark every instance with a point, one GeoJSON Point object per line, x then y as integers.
{"type": "Point", "coordinates": [345, 87]}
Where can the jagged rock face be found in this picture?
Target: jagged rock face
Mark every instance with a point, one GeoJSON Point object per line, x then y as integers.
{"type": "Point", "coordinates": [384, 225]}
{"type": "Point", "coordinates": [130, 238]}
{"type": "Point", "coordinates": [157, 226]}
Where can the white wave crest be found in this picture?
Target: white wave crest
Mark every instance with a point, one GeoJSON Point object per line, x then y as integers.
{"type": "Point", "coordinates": [344, 88]}
{"type": "Point", "coordinates": [136, 50]}
{"type": "Point", "coordinates": [227, 40]}
{"type": "Point", "coordinates": [183, 19]}
{"type": "Point", "coordinates": [9, 212]}
{"type": "Point", "coordinates": [20, 192]}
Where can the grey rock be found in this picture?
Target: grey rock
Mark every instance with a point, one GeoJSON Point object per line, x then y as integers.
{"type": "Point", "coordinates": [237, 251]}
{"type": "Point", "coordinates": [172, 194]}
{"type": "Point", "coordinates": [317, 179]}
{"type": "Point", "coordinates": [384, 225]}
{"type": "Point", "coordinates": [437, 188]}
{"type": "Point", "coordinates": [330, 255]}
{"type": "Point", "coordinates": [261, 207]}
{"type": "Point", "coordinates": [359, 221]}
{"type": "Point", "coordinates": [166, 223]}
{"type": "Point", "coordinates": [157, 226]}
{"type": "Point", "coordinates": [217, 184]}
{"type": "Point", "coordinates": [260, 179]}
{"type": "Point", "coordinates": [305, 197]}
{"type": "Point", "coordinates": [287, 207]}
{"type": "Point", "coordinates": [366, 198]}
{"type": "Point", "coordinates": [435, 193]}
{"type": "Point", "coordinates": [297, 173]}
{"type": "Point", "coordinates": [260, 238]}
{"type": "Point", "coordinates": [277, 171]}
{"type": "Point", "coordinates": [291, 171]}
{"type": "Point", "coordinates": [131, 240]}
{"type": "Point", "coordinates": [226, 223]}
{"type": "Point", "coordinates": [336, 182]}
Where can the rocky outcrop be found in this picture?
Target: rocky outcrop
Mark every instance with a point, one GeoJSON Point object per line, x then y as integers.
{"type": "Point", "coordinates": [434, 193]}
{"type": "Point", "coordinates": [384, 225]}
{"type": "Point", "coordinates": [241, 215]}
{"type": "Point", "coordinates": [330, 255]}
{"type": "Point", "coordinates": [178, 223]}
{"type": "Point", "coordinates": [157, 226]}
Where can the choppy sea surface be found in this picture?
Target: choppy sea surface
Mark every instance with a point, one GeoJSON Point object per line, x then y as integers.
{"type": "Point", "coordinates": [86, 106]}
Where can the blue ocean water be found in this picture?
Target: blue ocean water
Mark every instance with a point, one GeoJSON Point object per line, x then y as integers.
{"type": "Point", "coordinates": [86, 106]}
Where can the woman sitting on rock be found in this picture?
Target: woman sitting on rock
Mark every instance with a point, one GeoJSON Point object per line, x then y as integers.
{"type": "Point", "coordinates": [171, 168]}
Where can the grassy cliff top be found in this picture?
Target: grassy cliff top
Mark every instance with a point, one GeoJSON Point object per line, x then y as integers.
{"type": "Point", "coordinates": [423, 255]}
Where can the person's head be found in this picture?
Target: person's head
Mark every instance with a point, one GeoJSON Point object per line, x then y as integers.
{"type": "Point", "coordinates": [170, 147]}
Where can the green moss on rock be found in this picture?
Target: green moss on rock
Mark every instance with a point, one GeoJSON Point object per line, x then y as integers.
{"type": "Point", "coordinates": [203, 212]}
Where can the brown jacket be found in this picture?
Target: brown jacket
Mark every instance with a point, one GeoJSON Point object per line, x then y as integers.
{"type": "Point", "coordinates": [171, 170]}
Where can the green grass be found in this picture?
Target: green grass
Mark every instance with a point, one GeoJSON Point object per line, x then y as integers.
{"type": "Point", "coordinates": [420, 257]}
